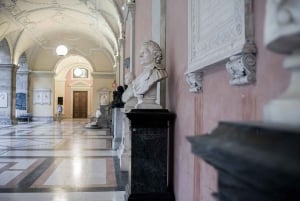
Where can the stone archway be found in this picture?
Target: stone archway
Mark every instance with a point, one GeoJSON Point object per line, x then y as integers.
{"type": "Point", "coordinates": [67, 80]}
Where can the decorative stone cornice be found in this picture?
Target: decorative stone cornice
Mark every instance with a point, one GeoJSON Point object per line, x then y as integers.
{"type": "Point", "coordinates": [7, 66]}
{"type": "Point", "coordinates": [131, 7]}
{"type": "Point", "coordinates": [23, 72]}
{"type": "Point", "coordinates": [194, 79]}
{"type": "Point", "coordinates": [42, 73]}
{"type": "Point", "coordinates": [104, 74]}
{"type": "Point", "coordinates": [242, 69]}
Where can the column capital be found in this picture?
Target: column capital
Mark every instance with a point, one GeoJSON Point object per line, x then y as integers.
{"type": "Point", "coordinates": [129, 9]}
{"type": "Point", "coordinates": [42, 73]}
{"type": "Point", "coordinates": [194, 80]}
{"type": "Point", "coordinates": [242, 69]}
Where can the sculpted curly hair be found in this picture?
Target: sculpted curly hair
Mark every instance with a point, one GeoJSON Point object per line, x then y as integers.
{"type": "Point", "coordinates": [155, 49]}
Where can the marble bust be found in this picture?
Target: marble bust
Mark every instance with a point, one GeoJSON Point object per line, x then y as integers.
{"type": "Point", "coordinates": [144, 86]}
{"type": "Point", "coordinates": [128, 96]}
{"type": "Point", "coordinates": [104, 99]}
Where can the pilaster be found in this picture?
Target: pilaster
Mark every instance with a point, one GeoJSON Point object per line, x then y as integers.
{"type": "Point", "coordinates": [130, 15]}
{"type": "Point", "coordinates": [22, 78]}
{"type": "Point", "coordinates": [7, 93]}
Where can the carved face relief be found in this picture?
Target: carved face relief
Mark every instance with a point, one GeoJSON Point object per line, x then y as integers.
{"type": "Point", "coordinates": [146, 56]}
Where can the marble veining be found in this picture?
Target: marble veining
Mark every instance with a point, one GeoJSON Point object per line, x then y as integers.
{"type": "Point", "coordinates": [59, 162]}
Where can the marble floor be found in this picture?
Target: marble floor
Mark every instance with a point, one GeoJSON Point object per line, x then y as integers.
{"type": "Point", "coordinates": [59, 162]}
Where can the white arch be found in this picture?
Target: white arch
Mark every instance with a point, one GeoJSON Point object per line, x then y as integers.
{"type": "Point", "coordinates": [5, 52]}
{"type": "Point", "coordinates": [63, 66]}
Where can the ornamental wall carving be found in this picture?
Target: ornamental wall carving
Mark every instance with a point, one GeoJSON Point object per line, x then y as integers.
{"type": "Point", "coordinates": [218, 31]}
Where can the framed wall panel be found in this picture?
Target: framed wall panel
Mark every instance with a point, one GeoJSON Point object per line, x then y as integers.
{"type": "Point", "coordinates": [3, 100]}
{"type": "Point", "coordinates": [218, 29]}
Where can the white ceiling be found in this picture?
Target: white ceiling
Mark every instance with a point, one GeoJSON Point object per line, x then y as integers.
{"type": "Point", "coordinates": [90, 28]}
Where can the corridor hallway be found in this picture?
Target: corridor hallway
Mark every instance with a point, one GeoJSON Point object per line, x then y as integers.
{"type": "Point", "coordinates": [58, 162]}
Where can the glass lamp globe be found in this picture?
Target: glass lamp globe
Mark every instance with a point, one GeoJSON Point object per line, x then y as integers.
{"type": "Point", "coordinates": [61, 50]}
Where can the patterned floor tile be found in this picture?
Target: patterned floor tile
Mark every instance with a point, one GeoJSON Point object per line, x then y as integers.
{"type": "Point", "coordinates": [54, 160]}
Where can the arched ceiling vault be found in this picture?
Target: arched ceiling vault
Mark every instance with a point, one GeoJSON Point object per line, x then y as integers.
{"type": "Point", "coordinates": [90, 29]}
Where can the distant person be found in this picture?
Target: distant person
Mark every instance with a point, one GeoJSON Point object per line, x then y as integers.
{"type": "Point", "coordinates": [59, 110]}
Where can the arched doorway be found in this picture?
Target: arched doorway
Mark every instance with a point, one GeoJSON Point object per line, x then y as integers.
{"type": "Point", "coordinates": [74, 85]}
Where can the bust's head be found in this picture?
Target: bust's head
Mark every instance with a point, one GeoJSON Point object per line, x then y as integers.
{"type": "Point", "coordinates": [150, 53]}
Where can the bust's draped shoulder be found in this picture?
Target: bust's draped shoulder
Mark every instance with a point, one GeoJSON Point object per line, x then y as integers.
{"type": "Point", "coordinates": [128, 93]}
{"type": "Point", "coordinates": [147, 78]}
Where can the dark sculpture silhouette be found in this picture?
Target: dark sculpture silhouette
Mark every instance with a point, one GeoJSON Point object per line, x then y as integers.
{"type": "Point", "coordinates": [117, 98]}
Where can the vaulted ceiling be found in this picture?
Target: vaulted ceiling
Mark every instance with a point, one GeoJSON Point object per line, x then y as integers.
{"type": "Point", "coordinates": [89, 28]}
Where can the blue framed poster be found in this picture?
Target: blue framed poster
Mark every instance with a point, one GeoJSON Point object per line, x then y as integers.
{"type": "Point", "coordinates": [21, 101]}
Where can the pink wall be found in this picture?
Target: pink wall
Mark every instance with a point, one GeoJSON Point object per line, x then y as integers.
{"type": "Point", "coordinates": [199, 113]}
{"type": "Point", "coordinates": [143, 28]}
{"type": "Point", "coordinates": [179, 99]}
{"type": "Point", "coordinates": [68, 110]}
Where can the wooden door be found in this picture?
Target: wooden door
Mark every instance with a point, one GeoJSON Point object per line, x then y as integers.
{"type": "Point", "coordinates": [80, 104]}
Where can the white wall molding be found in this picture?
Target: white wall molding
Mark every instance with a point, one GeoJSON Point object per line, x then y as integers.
{"type": "Point", "coordinates": [220, 32]}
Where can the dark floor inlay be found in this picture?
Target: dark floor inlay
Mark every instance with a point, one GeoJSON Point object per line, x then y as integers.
{"type": "Point", "coordinates": [35, 174]}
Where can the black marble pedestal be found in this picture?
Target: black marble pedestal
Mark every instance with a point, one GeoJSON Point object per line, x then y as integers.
{"type": "Point", "coordinates": [151, 155]}
{"type": "Point", "coordinates": [255, 162]}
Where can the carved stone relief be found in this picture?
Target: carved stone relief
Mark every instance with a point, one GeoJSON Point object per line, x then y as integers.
{"type": "Point", "coordinates": [195, 81]}
{"type": "Point", "coordinates": [242, 69]}
{"type": "Point", "coordinates": [218, 31]}
{"type": "Point", "coordinates": [42, 96]}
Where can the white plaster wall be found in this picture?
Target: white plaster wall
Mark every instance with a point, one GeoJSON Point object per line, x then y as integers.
{"type": "Point", "coordinates": [4, 53]}
{"type": "Point", "coordinates": [41, 81]}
